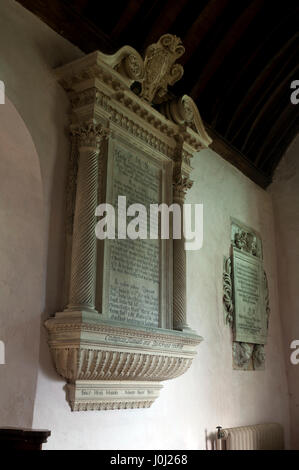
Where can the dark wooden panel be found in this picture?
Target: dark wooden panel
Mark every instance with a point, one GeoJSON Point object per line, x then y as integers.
{"type": "Point", "coordinates": [22, 439]}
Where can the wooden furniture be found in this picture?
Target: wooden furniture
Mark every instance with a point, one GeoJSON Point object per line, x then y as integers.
{"type": "Point", "coordinates": [23, 439]}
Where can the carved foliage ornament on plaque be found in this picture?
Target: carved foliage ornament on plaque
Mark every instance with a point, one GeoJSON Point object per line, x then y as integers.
{"type": "Point", "coordinates": [246, 298]}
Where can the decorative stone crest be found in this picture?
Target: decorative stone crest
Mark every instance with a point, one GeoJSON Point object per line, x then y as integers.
{"type": "Point", "coordinates": [248, 242]}
{"type": "Point", "coordinates": [160, 68]}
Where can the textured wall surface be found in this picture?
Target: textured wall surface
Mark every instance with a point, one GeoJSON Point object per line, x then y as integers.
{"type": "Point", "coordinates": [21, 267]}
{"type": "Point", "coordinates": [33, 155]}
{"type": "Point", "coordinates": [286, 209]}
{"type": "Point", "coordinates": [210, 393]}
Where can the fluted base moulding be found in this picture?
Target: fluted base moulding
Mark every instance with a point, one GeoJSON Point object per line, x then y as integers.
{"type": "Point", "coordinates": [109, 365]}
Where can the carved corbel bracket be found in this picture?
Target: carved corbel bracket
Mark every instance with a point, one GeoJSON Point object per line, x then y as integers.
{"type": "Point", "coordinates": [109, 366]}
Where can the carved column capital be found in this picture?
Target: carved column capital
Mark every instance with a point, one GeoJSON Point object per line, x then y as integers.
{"type": "Point", "coordinates": [180, 183]}
{"type": "Point", "coordinates": [90, 135]}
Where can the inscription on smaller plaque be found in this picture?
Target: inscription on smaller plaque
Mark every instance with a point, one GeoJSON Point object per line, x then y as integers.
{"type": "Point", "coordinates": [250, 311]}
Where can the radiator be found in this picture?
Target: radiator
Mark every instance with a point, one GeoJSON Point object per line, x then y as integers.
{"type": "Point", "coordinates": [258, 437]}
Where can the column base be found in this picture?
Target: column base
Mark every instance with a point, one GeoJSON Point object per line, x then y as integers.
{"type": "Point", "coordinates": [84, 395]}
{"type": "Point", "coordinates": [185, 329]}
{"type": "Point", "coordinates": [79, 308]}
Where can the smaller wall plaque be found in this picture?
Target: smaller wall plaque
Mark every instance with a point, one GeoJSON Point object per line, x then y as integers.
{"type": "Point", "coordinates": [246, 297]}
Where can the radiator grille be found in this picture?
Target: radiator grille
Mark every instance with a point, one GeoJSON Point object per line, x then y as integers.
{"type": "Point", "coordinates": [257, 437]}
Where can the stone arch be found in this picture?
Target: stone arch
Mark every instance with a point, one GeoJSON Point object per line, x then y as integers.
{"type": "Point", "coordinates": [21, 266]}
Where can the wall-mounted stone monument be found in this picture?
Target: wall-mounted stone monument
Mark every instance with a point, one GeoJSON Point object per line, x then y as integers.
{"type": "Point", "coordinates": [124, 329]}
{"type": "Point", "coordinates": [246, 297]}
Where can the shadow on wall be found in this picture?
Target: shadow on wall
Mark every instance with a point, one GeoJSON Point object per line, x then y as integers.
{"type": "Point", "coordinates": [55, 296]}
{"type": "Point", "coordinates": [21, 267]}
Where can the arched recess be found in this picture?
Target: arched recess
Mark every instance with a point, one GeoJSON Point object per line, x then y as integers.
{"type": "Point", "coordinates": [21, 267]}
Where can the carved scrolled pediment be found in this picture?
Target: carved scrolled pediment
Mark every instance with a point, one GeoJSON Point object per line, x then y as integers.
{"type": "Point", "coordinates": [127, 61]}
{"type": "Point", "coordinates": [184, 111]}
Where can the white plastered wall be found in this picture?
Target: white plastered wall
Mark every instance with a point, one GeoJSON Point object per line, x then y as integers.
{"type": "Point", "coordinates": [211, 393]}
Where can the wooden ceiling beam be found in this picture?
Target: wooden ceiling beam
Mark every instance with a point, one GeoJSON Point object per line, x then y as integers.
{"type": "Point", "coordinates": [238, 75]}
{"type": "Point", "coordinates": [214, 33]}
{"type": "Point", "coordinates": [231, 38]}
{"type": "Point", "coordinates": [272, 99]}
{"type": "Point", "coordinates": [67, 22]}
{"type": "Point", "coordinates": [126, 17]}
{"type": "Point", "coordinates": [201, 26]}
{"type": "Point", "coordinates": [164, 21]}
{"type": "Point", "coordinates": [259, 83]}
{"type": "Point", "coordinates": [80, 5]}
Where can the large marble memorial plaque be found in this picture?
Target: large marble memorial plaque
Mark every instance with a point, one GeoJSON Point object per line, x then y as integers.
{"type": "Point", "coordinates": [133, 294]}
{"type": "Point", "coordinates": [250, 310]}
{"type": "Point", "coordinates": [124, 328]}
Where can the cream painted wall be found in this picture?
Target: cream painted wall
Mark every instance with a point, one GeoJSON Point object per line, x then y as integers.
{"type": "Point", "coordinates": [21, 267]}
{"type": "Point", "coordinates": [286, 208]}
{"type": "Point", "coordinates": [33, 157]}
{"type": "Point", "coordinates": [211, 393]}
